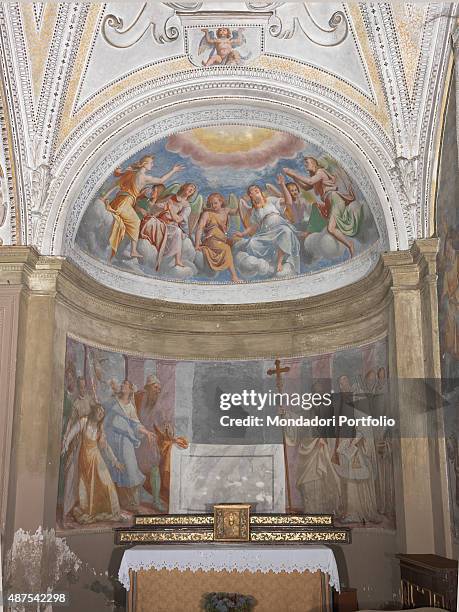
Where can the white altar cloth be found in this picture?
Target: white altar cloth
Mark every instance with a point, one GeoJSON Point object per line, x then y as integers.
{"type": "Point", "coordinates": [220, 557]}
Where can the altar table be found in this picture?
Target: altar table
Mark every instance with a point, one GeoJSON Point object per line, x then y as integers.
{"type": "Point", "coordinates": [281, 578]}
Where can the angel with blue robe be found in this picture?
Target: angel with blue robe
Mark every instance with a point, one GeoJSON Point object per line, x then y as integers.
{"type": "Point", "coordinates": [268, 234]}
{"type": "Point", "coordinates": [222, 46]}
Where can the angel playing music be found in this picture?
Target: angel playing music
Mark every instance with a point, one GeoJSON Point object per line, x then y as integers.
{"type": "Point", "coordinates": [167, 228]}
{"type": "Point", "coordinates": [222, 46]}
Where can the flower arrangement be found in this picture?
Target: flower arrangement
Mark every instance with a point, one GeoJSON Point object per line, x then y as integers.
{"type": "Point", "coordinates": [228, 602]}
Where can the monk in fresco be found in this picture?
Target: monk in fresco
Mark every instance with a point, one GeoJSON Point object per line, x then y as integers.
{"type": "Point", "coordinates": [222, 47]}
{"type": "Point", "coordinates": [212, 238]}
{"type": "Point", "coordinates": [166, 229]}
{"type": "Point", "coordinates": [340, 220]}
{"type": "Point", "coordinates": [130, 184]}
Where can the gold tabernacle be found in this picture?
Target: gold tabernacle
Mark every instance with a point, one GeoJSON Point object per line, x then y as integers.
{"type": "Point", "coordinates": [231, 522]}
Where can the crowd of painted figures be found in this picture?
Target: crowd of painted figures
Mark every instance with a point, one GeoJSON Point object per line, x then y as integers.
{"type": "Point", "coordinates": [273, 220]}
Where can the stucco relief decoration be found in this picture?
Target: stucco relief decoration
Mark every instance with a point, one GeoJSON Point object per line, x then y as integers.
{"type": "Point", "coordinates": [3, 206]}
{"type": "Point", "coordinates": [212, 37]}
{"type": "Point", "coordinates": [287, 18]}
{"type": "Point", "coordinates": [39, 179]}
{"type": "Point", "coordinates": [405, 172]}
{"type": "Point", "coordinates": [158, 18]}
{"type": "Point", "coordinates": [5, 226]}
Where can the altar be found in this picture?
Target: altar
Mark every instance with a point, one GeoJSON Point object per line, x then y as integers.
{"type": "Point", "coordinates": [175, 578]}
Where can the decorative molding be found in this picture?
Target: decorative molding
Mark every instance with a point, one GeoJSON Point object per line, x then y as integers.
{"type": "Point", "coordinates": [405, 170]}
{"type": "Point", "coordinates": [39, 180]}
{"type": "Point", "coordinates": [158, 17]}
{"type": "Point", "coordinates": [287, 19]}
{"type": "Point", "coordinates": [165, 20]}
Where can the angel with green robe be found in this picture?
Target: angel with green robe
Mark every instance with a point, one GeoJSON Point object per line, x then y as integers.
{"type": "Point", "coordinates": [167, 225]}
{"type": "Point", "coordinates": [336, 208]}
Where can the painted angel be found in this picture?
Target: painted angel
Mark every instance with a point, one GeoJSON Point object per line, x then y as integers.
{"type": "Point", "coordinates": [335, 208]}
{"type": "Point", "coordinates": [129, 185]}
{"type": "Point", "coordinates": [222, 46]}
{"type": "Point", "coordinates": [268, 233]}
{"type": "Point", "coordinates": [167, 223]}
{"type": "Point", "coordinates": [212, 234]}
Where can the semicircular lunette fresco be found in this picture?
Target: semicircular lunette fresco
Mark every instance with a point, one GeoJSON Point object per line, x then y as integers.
{"type": "Point", "coordinates": [228, 204]}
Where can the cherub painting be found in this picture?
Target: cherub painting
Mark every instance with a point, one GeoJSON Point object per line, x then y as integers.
{"type": "Point", "coordinates": [222, 45]}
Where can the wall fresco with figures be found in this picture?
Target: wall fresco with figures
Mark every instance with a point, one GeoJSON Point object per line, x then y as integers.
{"type": "Point", "coordinates": [448, 299]}
{"type": "Point", "coordinates": [227, 204]}
{"type": "Point", "coordinates": [124, 417]}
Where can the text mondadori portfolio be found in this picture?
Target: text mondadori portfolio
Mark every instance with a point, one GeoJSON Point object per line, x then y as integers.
{"type": "Point", "coordinates": [300, 421]}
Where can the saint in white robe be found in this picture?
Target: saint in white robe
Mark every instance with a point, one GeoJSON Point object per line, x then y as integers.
{"type": "Point", "coordinates": [316, 478]}
{"type": "Point", "coordinates": [357, 469]}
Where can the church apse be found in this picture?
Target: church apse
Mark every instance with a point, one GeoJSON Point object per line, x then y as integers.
{"type": "Point", "coordinates": [145, 435]}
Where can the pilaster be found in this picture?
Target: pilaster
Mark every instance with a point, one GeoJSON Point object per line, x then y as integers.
{"type": "Point", "coordinates": [33, 406]}
{"type": "Point", "coordinates": [421, 485]}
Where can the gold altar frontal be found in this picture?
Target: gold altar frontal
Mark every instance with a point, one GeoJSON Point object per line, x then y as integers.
{"type": "Point", "coordinates": [176, 591]}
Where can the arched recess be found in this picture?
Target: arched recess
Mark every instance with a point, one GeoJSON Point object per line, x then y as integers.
{"type": "Point", "coordinates": [351, 133]}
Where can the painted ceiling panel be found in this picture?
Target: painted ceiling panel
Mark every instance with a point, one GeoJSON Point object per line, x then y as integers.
{"type": "Point", "coordinates": [311, 45]}
{"type": "Point", "coordinates": [106, 64]}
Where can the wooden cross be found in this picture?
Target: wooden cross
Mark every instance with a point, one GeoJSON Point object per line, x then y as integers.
{"type": "Point", "coordinates": [278, 371]}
